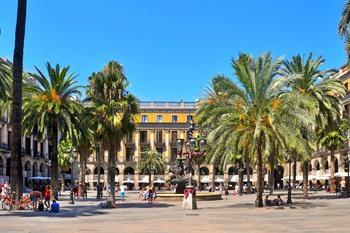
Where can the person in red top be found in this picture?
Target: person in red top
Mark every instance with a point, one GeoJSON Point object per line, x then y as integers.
{"type": "Point", "coordinates": [47, 196]}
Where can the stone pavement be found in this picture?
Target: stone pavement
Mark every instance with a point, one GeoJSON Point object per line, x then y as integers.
{"type": "Point", "coordinates": [322, 213]}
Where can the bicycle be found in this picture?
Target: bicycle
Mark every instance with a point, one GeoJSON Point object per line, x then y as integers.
{"type": "Point", "coordinates": [343, 194]}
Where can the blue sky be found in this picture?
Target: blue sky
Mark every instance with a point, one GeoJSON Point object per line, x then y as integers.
{"type": "Point", "coordinates": [171, 49]}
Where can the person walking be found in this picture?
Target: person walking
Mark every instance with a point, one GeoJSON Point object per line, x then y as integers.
{"type": "Point", "coordinates": [122, 192]}
{"type": "Point", "coordinates": [47, 196]}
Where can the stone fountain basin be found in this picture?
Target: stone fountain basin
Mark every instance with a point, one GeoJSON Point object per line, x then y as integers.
{"type": "Point", "coordinates": [200, 196]}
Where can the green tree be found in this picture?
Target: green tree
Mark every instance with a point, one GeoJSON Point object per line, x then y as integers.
{"type": "Point", "coordinates": [333, 138]}
{"type": "Point", "coordinates": [16, 116]}
{"type": "Point", "coordinates": [343, 26]}
{"type": "Point", "coordinates": [5, 81]}
{"type": "Point", "coordinates": [83, 141]}
{"type": "Point", "coordinates": [114, 110]}
{"type": "Point", "coordinates": [152, 161]}
{"type": "Point", "coordinates": [50, 103]}
{"type": "Point", "coordinates": [256, 111]}
{"type": "Point", "coordinates": [322, 96]}
{"type": "Point", "coordinates": [64, 156]}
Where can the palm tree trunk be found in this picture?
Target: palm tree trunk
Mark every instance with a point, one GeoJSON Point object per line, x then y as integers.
{"type": "Point", "coordinates": [16, 122]}
{"type": "Point", "coordinates": [113, 145]}
{"type": "Point", "coordinates": [272, 178]}
{"type": "Point", "coordinates": [260, 175]}
{"type": "Point", "coordinates": [199, 177]}
{"type": "Point", "coordinates": [248, 177]}
{"type": "Point", "coordinates": [54, 159]}
{"type": "Point", "coordinates": [150, 176]}
{"type": "Point", "coordinates": [294, 172]}
{"type": "Point", "coordinates": [331, 173]}
{"type": "Point", "coordinates": [82, 175]}
{"type": "Point", "coordinates": [305, 179]}
{"type": "Point", "coordinates": [63, 178]}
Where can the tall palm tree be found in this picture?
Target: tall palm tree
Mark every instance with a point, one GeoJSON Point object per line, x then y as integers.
{"type": "Point", "coordinates": [343, 26]}
{"type": "Point", "coordinates": [321, 92]}
{"type": "Point", "coordinates": [333, 138]}
{"type": "Point", "coordinates": [83, 141]}
{"type": "Point", "coordinates": [51, 104]}
{"type": "Point", "coordinates": [115, 111]}
{"type": "Point", "coordinates": [152, 161]}
{"type": "Point", "coordinates": [256, 111]}
{"type": "Point", "coordinates": [17, 71]}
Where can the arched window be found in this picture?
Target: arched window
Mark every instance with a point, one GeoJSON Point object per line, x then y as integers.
{"type": "Point", "coordinates": [218, 171]}
{"type": "Point", "coordinates": [317, 165]}
{"type": "Point", "coordinates": [41, 168]}
{"type": "Point", "coordinates": [27, 166]}
{"type": "Point", "coordinates": [35, 169]}
{"type": "Point", "coordinates": [204, 171]}
{"type": "Point", "coordinates": [250, 171]}
{"type": "Point", "coordinates": [233, 171]}
{"type": "Point", "coordinates": [129, 171]}
{"type": "Point", "coordinates": [101, 171]}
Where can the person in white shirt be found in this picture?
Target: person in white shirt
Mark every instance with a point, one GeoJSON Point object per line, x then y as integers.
{"type": "Point", "coordinates": [122, 192]}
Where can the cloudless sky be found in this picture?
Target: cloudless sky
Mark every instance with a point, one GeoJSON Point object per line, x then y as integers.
{"type": "Point", "coordinates": [170, 49]}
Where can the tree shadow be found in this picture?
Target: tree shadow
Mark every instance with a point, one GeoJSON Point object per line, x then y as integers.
{"type": "Point", "coordinates": [143, 205]}
{"type": "Point", "coordinates": [65, 212]}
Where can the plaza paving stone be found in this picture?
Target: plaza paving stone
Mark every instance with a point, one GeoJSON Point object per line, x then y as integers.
{"type": "Point", "coordinates": [321, 213]}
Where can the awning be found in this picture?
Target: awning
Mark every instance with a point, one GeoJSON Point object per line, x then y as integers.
{"type": "Point", "coordinates": [341, 174]}
{"type": "Point", "coordinates": [205, 180]}
{"type": "Point", "coordinates": [158, 181]}
{"type": "Point", "coordinates": [219, 180]}
{"type": "Point", "coordinates": [128, 181]}
{"type": "Point", "coordinates": [234, 178]}
{"type": "Point", "coordinates": [297, 178]}
{"type": "Point", "coordinates": [144, 180]}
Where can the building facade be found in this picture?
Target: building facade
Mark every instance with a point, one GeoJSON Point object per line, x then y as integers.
{"type": "Point", "coordinates": [35, 154]}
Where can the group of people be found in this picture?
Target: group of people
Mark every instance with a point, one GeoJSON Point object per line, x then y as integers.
{"type": "Point", "coordinates": [147, 193]}
{"type": "Point", "coordinates": [275, 202]}
{"type": "Point", "coordinates": [39, 199]}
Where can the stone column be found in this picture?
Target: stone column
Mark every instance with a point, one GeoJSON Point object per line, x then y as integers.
{"type": "Point", "coordinates": [137, 146]}
{"type": "Point", "coordinates": [136, 179]}
{"type": "Point", "coordinates": [121, 152]}
{"type": "Point", "coordinates": [226, 177]}
{"type": "Point", "coordinates": [152, 139]}
{"type": "Point", "coordinates": [5, 133]}
{"type": "Point", "coordinates": [167, 146]}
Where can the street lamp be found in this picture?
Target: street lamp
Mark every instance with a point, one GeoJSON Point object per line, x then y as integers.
{"type": "Point", "coordinates": [73, 158]}
{"type": "Point", "coordinates": [194, 147]}
{"type": "Point", "coordinates": [289, 160]}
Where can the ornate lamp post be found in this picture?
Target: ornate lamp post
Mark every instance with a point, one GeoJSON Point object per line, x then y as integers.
{"type": "Point", "coordinates": [73, 158]}
{"type": "Point", "coordinates": [194, 147]}
{"type": "Point", "coordinates": [289, 160]}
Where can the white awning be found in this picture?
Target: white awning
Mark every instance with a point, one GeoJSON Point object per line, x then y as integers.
{"type": "Point", "coordinates": [219, 180]}
{"type": "Point", "coordinates": [128, 181]}
{"type": "Point", "coordinates": [144, 180]}
{"type": "Point", "coordinates": [341, 174]}
{"type": "Point", "coordinates": [205, 180]}
{"type": "Point", "coordinates": [158, 181]}
{"type": "Point", "coordinates": [234, 178]}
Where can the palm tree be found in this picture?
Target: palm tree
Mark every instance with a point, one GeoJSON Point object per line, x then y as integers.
{"type": "Point", "coordinates": [51, 104]}
{"type": "Point", "coordinates": [256, 111]}
{"type": "Point", "coordinates": [64, 164]}
{"type": "Point", "coordinates": [83, 141]}
{"type": "Point", "coordinates": [115, 111]}
{"type": "Point", "coordinates": [321, 92]}
{"type": "Point", "coordinates": [343, 26]}
{"type": "Point", "coordinates": [333, 138]}
{"type": "Point", "coordinates": [151, 160]}
{"type": "Point", "coordinates": [5, 81]}
{"type": "Point", "coordinates": [16, 121]}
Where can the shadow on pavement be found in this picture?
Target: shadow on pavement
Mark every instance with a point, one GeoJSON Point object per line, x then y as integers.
{"type": "Point", "coordinates": [143, 205]}
{"type": "Point", "coordinates": [65, 212]}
